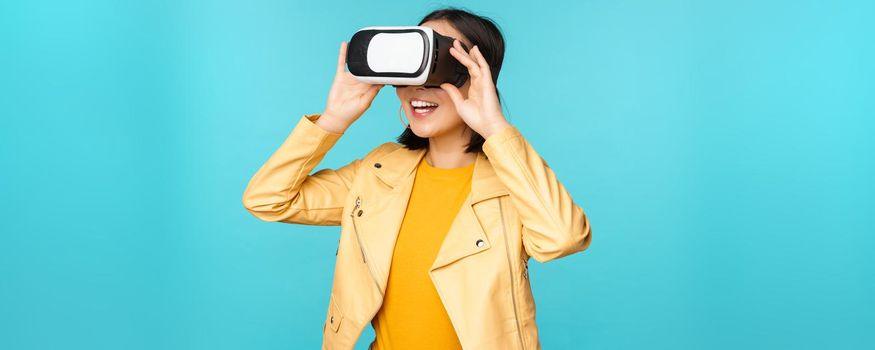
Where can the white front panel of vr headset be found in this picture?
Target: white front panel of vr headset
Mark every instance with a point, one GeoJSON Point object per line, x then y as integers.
{"type": "Point", "coordinates": [392, 53]}
{"type": "Point", "coordinates": [395, 52]}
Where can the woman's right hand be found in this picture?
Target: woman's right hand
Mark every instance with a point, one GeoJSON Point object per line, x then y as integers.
{"type": "Point", "coordinates": [348, 98]}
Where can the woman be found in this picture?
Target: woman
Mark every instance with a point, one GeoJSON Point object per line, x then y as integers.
{"type": "Point", "coordinates": [436, 230]}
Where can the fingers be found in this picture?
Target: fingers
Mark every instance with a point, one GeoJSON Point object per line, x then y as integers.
{"type": "Point", "coordinates": [481, 60]}
{"type": "Point", "coordinates": [341, 58]}
{"type": "Point", "coordinates": [454, 93]}
{"type": "Point", "coordinates": [459, 53]}
{"type": "Point", "coordinates": [373, 90]}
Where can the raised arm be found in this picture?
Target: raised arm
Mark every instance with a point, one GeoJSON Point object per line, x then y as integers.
{"type": "Point", "coordinates": [553, 224]}
{"type": "Point", "coordinates": [283, 189]}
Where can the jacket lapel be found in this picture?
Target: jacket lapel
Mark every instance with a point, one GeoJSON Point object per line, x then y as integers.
{"type": "Point", "coordinates": [398, 166]}
{"type": "Point", "coordinates": [467, 227]}
{"type": "Point", "coordinates": [380, 225]}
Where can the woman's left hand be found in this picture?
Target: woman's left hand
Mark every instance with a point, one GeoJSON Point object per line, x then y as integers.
{"type": "Point", "coordinates": [481, 110]}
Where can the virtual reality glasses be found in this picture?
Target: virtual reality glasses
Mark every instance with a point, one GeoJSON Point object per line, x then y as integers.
{"type": "Point", "coordinates": [404, 55]}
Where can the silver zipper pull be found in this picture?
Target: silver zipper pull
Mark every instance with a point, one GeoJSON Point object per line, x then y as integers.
{"type": "Point", "coordinates": [358, 203]}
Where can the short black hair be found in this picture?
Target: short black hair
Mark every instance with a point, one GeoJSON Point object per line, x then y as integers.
{"type": "Point", "coordinates": [481, 31]}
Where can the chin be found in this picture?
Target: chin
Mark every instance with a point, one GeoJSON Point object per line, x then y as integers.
{"type": "Point", "coordinates": [431, 126]}
{"type": "Point", "coordinates": [424, 131]}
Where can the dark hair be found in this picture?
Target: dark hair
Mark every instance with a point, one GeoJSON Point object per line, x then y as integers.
{"type": "Point", "coordinates": [480, 31]}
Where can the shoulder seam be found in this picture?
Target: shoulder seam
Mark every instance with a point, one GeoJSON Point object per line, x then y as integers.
{"type": "Point", "coordinates": [382, 149]}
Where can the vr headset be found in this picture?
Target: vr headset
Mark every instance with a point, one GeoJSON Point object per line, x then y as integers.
{"type": "Point", "coordinates": [404, 55]}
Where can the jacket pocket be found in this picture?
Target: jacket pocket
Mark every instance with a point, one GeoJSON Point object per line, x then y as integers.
{"type": "Point", "coordinates": [335, 316]}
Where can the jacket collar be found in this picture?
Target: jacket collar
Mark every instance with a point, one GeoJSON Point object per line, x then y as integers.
{"type": "Point", "coordinates": [397, 165]}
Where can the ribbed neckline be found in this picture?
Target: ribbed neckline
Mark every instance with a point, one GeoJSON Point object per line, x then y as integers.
{"type": "Point", "coordinates": [445, 172]}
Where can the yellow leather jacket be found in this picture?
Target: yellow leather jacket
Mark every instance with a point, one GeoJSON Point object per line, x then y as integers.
{"type": "Point", "coordinates": [516, 209]}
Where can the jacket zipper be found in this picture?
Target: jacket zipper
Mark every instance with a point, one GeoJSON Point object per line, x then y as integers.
{"type": "Point", "coordinates": [358, 202]}
{"type": "Point", "coordinates": [526, 272]}
{"type": "Point", "coordinates": [512, 280]}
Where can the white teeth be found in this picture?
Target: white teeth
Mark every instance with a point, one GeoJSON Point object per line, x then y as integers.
{"type": "Point", "coordinates": [418, 103]}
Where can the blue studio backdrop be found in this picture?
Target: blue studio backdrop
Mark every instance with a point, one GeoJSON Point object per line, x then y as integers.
{"type": "Point", "coordinates": [723, 151]}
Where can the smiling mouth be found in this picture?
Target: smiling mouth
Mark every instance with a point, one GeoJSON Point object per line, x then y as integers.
{"type": "Point", "coordinates": [422, 108]}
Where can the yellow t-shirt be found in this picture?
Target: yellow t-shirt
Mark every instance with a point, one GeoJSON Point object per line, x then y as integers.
{"type": "Point", "coordinates": [412, 315]}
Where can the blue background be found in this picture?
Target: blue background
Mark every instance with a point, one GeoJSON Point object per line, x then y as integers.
{"type": "Point", "coordinates": [723, 151]}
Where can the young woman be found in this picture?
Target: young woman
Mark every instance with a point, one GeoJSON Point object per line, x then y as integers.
{"type": "Point", "coordinates": [436, 229]}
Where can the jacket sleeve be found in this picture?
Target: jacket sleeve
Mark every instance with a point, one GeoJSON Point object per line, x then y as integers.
{"type": "Point", "coordinates": [281, 190]}
{"type": "Point", "coordinates": [553, 224]}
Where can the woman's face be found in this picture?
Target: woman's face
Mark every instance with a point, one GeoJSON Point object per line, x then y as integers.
{"type": "Point", "coordinates": [432, 121]}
